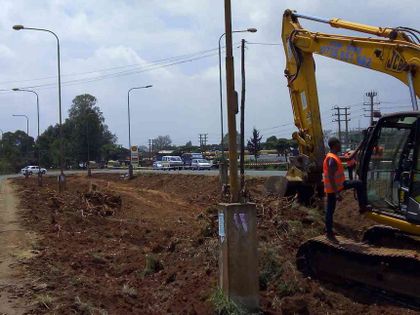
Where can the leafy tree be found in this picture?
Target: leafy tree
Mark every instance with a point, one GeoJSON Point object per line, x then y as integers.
{"type": "Point", "coordinates": [84, 133]}
{"type": "Point", "coordinates": [271, 143]}
{"type": "Point", "coordinates": [17, 150]}
{"type": "Point", "coordinates": [254, 144]}
{"type": "Point", "coordinates": [226, 141]}
{"type": "Point", "coordinates": [114, 152]}
{"type": "Point", "coordinates": [188, 144]}
{"type": "Point", "coordinates": [282, 146]}
{"type": "Point", "coordinates": [162, 142]}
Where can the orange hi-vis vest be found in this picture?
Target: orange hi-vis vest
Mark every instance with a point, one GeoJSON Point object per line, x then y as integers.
{"type": "Point", "coordinates": [338, 176]}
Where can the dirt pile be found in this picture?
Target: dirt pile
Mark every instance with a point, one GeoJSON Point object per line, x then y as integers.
{"type": "Point", "coordinates": [100, 203]}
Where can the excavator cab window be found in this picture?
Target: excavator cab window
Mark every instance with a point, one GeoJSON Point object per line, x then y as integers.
{"type": "Point", "coordinates": [413, 211]}
{"type": "Point", "coordinates": [392, 161]}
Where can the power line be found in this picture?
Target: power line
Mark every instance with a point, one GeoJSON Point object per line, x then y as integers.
{"type": "Point", "coordinates": [136, 70]}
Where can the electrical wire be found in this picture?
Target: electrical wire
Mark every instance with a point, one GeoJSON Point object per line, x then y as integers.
{"type": "Point", "coordinates": [136, 68]}
{"type": "Point", "coordinates": [121, 73]}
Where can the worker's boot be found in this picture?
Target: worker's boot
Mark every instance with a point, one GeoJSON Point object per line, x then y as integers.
{"type": "Point", "coordinates": [331, 236]}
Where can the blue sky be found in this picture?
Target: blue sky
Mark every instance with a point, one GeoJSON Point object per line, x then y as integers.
{"type": "Point", "coordinates": [101, 34]}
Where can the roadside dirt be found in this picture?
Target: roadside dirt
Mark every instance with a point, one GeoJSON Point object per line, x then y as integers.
{"type": "Point", "coordinates": [156, 251]}
{"type": "Point", "coordinates": [15, 245]}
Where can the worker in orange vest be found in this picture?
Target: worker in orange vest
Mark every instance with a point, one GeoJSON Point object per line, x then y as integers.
{"type": "Point", "coordinates": [335, 182]}
{"type": "Point", "coordinates": [351, 163]}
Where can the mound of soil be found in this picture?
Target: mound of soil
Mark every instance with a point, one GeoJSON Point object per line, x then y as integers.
{"type": "Point", "coordinates": [100, 203]}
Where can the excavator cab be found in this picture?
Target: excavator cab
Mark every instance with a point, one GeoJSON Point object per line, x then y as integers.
{"type": "Point", "coordinates": [390, 166]}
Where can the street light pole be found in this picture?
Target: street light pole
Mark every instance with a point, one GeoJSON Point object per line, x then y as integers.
{"type": "Point", "coordinates": [130, 166]}
{"type": "Point", "coordinates": [27, 121]}
{"type": "Point", "coordinates": [39, 149]}
{"type": "Point", "coordinates": [250, 30]}
{"type": "Point", "coordinates": [61, 178]}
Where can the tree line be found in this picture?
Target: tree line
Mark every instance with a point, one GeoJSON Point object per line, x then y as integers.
{"type": "Point", "coordinates": [85, 134]}
{"type": "Point", "coordinates": [86, 137]}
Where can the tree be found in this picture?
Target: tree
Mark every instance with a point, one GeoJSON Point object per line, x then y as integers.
{"type": "Point", "coordinates": [162, 142]}
{"type": "Point", "coordinates": [188, 144]}
{"type": "Point", "coordinates": [226, 141]}
{"type": "Point", "coordinates": [271, 143]}
{"type": "Point", "coordinates": [17, 150]}
{"type": "Point", "coordinates": [254, 144]}
{"type": "Point", "coordinates": [114, 152]}
{"type": "Point", "coordinates": [282, 146]}
{"type": "Point", "coordinates": [84, 133]}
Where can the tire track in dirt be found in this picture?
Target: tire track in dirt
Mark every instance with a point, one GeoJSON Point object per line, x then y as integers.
{"type": "Point", "coordinates": [15, 246]}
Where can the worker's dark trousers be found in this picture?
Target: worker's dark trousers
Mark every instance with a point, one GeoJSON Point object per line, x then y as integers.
{"type": "Point", "coordinates": [350, 170]}
{"type": "Point", "coordinates": [332, 201]}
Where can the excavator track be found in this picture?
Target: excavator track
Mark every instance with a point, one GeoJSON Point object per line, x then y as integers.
{"type": "Point", "coordinates": [394, 272]}
{"type": "Point", "coordinates": [386, 236]}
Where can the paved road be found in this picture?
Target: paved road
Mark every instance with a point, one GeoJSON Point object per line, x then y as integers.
{"type": "Point", "coordinates": [251, 173]}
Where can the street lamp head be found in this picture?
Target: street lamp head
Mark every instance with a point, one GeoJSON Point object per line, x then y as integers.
{"type": "Point", "coordinates": [18, 27]}
{"type": "Point", "coordinates": [148, 86]}
{"type": "Point", "coordinates": [252, 30]}
{"type": "Point", "coordinates": [15, 89]}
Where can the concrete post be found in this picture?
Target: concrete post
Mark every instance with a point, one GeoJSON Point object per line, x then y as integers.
{"type": "Point", "coordinates": [223, 172]}
{"type": "Point", "coordinates": [238, 261]}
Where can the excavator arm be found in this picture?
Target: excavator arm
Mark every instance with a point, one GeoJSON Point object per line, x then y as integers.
{"type": "Point", "coordinates": [395, 54]}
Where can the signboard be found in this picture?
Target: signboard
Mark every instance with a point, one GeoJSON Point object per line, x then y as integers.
{"type": "Point", "coordinates": [134, 154]}
{"type": "Point", "coordinates": [222, 226]}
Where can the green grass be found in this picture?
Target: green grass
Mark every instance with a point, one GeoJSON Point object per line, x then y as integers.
{"type": "Point", "coordinates": [271, 268]}
{"type": "Point", "coordinates": [224, 306]}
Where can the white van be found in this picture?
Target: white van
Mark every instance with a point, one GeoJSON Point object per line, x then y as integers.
{"type": "Point", "coordinates": [172, 162]}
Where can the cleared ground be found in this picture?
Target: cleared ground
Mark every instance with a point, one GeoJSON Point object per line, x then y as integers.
{"type": "Point", "coordinates": [149, 246]}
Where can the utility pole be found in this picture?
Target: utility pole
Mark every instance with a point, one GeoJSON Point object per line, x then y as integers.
{"type": "Point", "coordinates": [242, 124]}
{"type": "Point", "coordinates": [338, 119]}
{"type": "Point", "coordinates": [150, 148]}
{"type": "Point", "coordinates": [203, 141]}
{"type": "Point", "coordinates": [238, 264]}
{"type": "Point", "coordinates": [371, 95]}
{"type": "Point", "coordinates": [346, 120]}
{"type": "Point", "coordinates": [340, 112]}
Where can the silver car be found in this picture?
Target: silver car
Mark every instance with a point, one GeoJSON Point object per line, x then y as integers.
{"type": "Point", "coordinates": [32, 169]}
{"type": "Point", "coordinates": [200, 164]}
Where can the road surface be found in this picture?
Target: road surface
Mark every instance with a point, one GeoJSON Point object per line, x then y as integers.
{"type": "Point", "coordinates": [213, 172]}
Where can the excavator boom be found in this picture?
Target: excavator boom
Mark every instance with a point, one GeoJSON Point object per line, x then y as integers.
{"type": "Point", "coordinates": [395, 54]}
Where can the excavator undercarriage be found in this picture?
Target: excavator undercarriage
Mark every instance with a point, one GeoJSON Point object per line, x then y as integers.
{"type": "Point", "coordinates": [394, 271]}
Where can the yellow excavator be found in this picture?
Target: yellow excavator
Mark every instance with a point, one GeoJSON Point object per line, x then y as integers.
{"type": "Point", "coordinates": [388, 258]}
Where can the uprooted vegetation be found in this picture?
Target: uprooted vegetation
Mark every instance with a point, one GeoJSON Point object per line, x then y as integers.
{"type": "Point", "coordinates": [150, 246]}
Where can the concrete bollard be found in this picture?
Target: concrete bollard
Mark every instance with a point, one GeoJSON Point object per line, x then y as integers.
{"type": "Point", "coordinates": [238, 261]}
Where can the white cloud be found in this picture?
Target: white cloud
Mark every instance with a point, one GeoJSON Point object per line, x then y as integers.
{"type": "Point", "coordinates": [100, 34]}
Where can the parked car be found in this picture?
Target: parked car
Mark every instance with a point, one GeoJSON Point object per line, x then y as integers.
{"type": "Point", "coordinates": [200, 164]}
{"type": "Point", "coordinates": [188, 157]}
{"type": "Point", "coordinates": [32, 169]}
{"type": "Point", "coordinates": [172, 162]}
{"type": "Point", "coordinates": [157, 165]}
